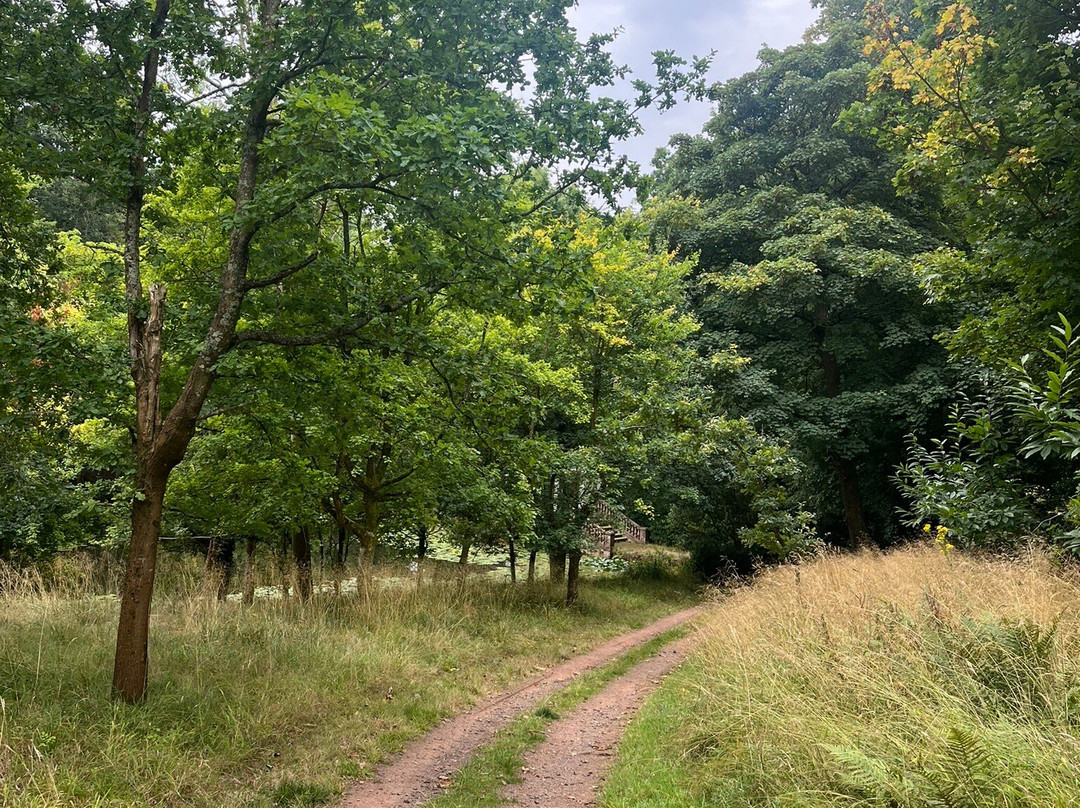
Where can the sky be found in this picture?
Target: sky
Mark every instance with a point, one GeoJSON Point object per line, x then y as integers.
{"type": "Point", "coordinates": [734, 29]}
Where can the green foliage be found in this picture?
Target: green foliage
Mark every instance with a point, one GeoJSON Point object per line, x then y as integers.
{"type": "Point", "coordinates": [806, 268]}
{"type": "Point", "coordinates": [368, 358]}
{"type": "Point", "coordinates": [980, 100]}
{"type": "Point", "coordinates": [1006, 467]}
{"type": "Point", "coordinates": [1047, 411]}
{"type": "Point", "coordinates": [969, 481]}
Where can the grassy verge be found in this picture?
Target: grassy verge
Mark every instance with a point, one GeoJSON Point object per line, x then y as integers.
{"type": "Point", "coordinates": [275, 704]}
{"type": "Point", "coordinates": [479, 782]}
{"type": "Point", "coordinates": [892, 681]}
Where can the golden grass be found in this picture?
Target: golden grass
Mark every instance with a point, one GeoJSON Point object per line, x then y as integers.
{"type": "Point", "coordinates": [843, 593]}
{"type": "Point", "coordinates": [899, 679]}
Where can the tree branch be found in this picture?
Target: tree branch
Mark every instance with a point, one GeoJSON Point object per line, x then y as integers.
{"type": "Point", "coordinates": [335, 334]}
{"type": "Point", "coordinates": [262, 283]}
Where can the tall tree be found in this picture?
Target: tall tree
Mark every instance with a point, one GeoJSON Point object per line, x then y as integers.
{"type": "Point", "coordinates": [806, 266]}
{"type": "Point", "coordinates": [981, 99]}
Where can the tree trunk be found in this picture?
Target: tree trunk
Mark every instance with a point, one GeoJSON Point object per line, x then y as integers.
{"type": "Point", "coordinates": [161, 443]}
{"type": "Point", "coordinates": [463, 556]}
{"type": "Point", "coordinates": [572, 578]}
{"type": "Point", "coordinates": [249, 570]}
{"type": "Point", "coordinates": [848, 486]}
{"type": "Point", "coordinates": [421, 551]}
{"type": "Point", "coordinates": [513, 560]}
{"type": "Point", "coordinates": [370, 538]}
{"type": "Point", "coordinates": [342, 547]}
{"type": "Point", "coordinates": [132, 654]}
{"type": "Point", "coordinates": [852, 504]}
{"type": "Point", "coordinates": [531, 577]}
{"type": "Point", "coordinates": [220, 563]}
{"type": "Point", "coordinates": [421, 542]}
{"type": "Point", "coordinates": [557, 566]}
{"type": "Point", "coordinates": [301, 547]}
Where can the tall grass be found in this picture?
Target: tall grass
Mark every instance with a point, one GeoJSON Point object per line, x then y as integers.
{"type": "Point", "coordinates": [273, 704]}
{"type": "Point", "coordinates": [909, 679]}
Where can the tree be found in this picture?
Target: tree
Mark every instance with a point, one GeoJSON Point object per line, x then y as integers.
{"type": "Point", "coordinates": [262, 115]}
{"type": "Point", "coordinates": [32, 338]}
{"type": "Point", "coordinates": [981, 100]}
{"type": "Point", "coordinates": [806, 265]}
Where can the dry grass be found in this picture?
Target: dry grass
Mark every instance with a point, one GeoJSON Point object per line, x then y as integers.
{"type": "Point", "coordinates": [274, 704]}
{"type": "Point", "coordinates": [905, 679]}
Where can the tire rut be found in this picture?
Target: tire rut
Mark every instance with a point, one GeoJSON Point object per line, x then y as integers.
{"type": "Point", "coordinates": [570, 765]}
{"type": "Point", "coordinates": [423, 768]}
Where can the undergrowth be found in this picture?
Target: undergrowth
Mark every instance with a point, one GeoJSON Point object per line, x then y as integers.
{"type": "Point", "coordinates": [897, 681]}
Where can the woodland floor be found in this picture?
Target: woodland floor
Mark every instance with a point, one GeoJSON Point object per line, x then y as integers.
{"type": "Point", "coordinates": [568, 767]}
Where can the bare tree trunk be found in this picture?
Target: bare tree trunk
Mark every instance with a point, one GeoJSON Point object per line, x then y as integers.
{"type": "Point", "coordinates": [513, 560]}
{"type": "Point", "coordinates": [342, 546]}
{"type": "Point", "coordinates": [301, 547]}
{"type": "Point", "coordinates": [421, 543]}
{"type": "Point", "coordinates": [557, 566]}
{"type": "Point", "coordinates": [421, 551]}
{"type": "Point", "coordinates": [463, 556]}
{"type": "Point", "coordinates": [249, 570]}
{"type": "Point", "coordinates": [851, 502]}
{"type": "Point", "coordinates": [572, 578]}
{"type": "Point", "coordinates": [531, 578]}
{"type": "Point", "coordinates": [131, 663]}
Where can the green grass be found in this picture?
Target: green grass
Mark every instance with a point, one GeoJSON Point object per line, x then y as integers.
{"type": "Point", "coordinates": [279, 703]}
{"type": "Point", "coordinates": [896, 681]}
{"type": "Point", "coordinates": [499, 763]}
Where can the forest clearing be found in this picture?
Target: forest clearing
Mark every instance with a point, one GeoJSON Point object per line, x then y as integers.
{"type": "Point", "coordinates": [375, 429]}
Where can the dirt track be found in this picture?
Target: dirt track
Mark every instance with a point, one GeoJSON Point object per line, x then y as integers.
{"type": "Point", "coordinates": [419, 772]}
{"type": "Point", "coordinates": [570, 765]}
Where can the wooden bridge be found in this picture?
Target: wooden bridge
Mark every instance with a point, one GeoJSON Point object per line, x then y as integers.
{"type": "Point", "coordinates": [608, 526]}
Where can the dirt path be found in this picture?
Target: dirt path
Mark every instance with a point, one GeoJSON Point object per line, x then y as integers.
{"type": "Point", "coordinates": [418, 773]}
{"type": "Point", "coordinates": [568, 768]}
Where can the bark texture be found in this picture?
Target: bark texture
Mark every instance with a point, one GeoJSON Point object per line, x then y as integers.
{"type": "Point", "coordinates": [557, 566]}
{"type": "Point", "coordinates": [161, 442]}
{"type": "Point", "coordinates": [574, 568]}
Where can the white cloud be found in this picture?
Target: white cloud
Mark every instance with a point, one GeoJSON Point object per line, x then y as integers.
{"type": "Point", "coordinates": [734, 29]}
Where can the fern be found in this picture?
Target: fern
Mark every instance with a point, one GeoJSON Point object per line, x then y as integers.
{"type": "Point", "coordinates": [964, 778]}
{"type": "Point", "coordinates": [873, 778]}
{"type": "Point", "coordinates": [964, 775]}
